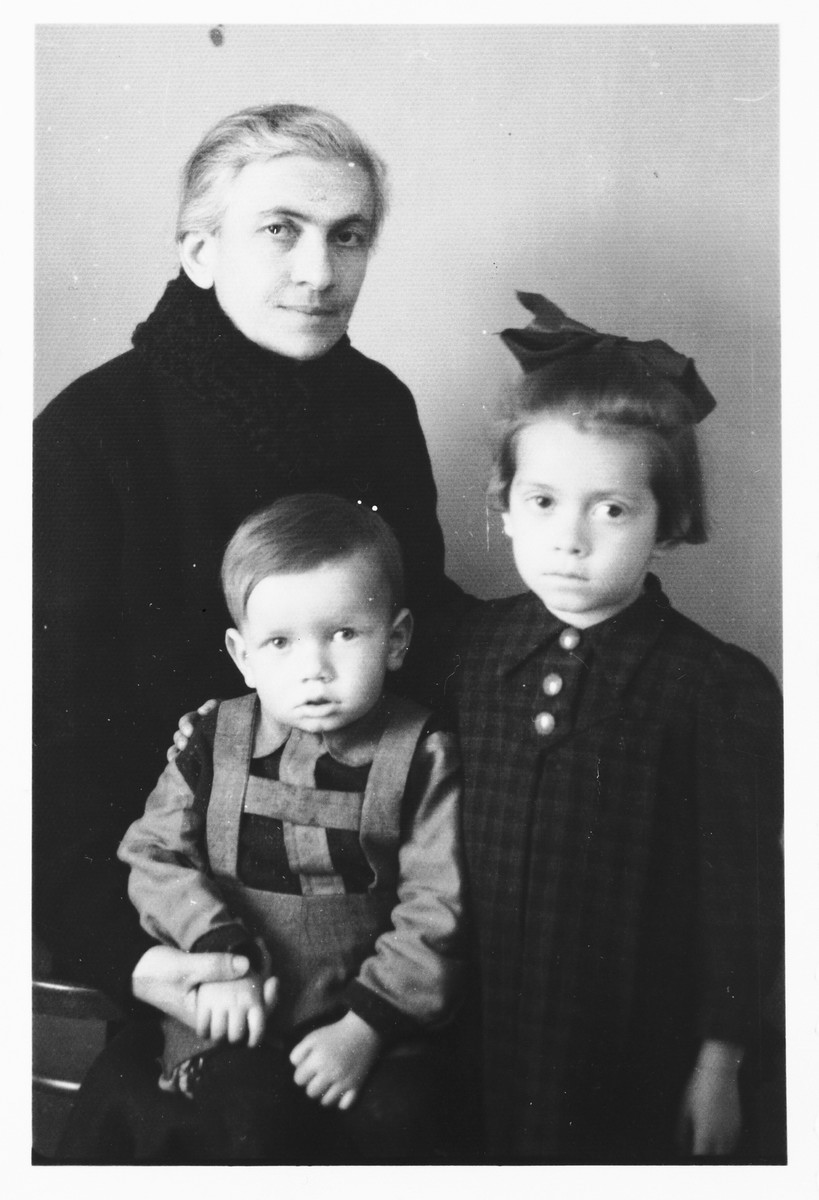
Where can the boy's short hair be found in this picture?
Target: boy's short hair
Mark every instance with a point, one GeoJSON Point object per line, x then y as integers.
{"type": "Point", "coordinates": [259, 134]}
{"type": "Point", "coordinates": [300, 533]}
{"type": "Point", "coordinates": [607, 391]}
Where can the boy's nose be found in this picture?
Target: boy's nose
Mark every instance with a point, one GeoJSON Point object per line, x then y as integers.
{"type": "Point", "coordinates": [314, 661]}
{"type": "Point", "coordinates": [311, 261]}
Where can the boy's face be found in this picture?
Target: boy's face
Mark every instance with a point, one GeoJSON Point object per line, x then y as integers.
{"type": "Point", "coordinates": [316, 645]}
{"type": "Point", "coordinates": [290, 256]}
{"type": "Point", "coordinates": [582, 518]}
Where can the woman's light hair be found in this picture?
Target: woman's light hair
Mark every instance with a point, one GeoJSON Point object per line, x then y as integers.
{"type": "Point", "coordinates": [258, 135]}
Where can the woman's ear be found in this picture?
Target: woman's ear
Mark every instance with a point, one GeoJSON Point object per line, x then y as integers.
{"type": "Point", "coordinates": [399, 639]}
{"type": "Point", "coordinates": [237, 650]}
{"type": "Point", "coordinates": [505, 520]}
{"type": "Point", "coordinates": [196, 251]}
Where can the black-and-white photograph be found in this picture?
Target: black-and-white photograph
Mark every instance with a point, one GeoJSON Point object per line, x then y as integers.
{"type": "Point", "coordinates": [407, 590]}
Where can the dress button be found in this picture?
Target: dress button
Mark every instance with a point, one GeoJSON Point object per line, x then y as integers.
{"type": "Point", "coordinates": [552, 683]}
{"type": "Point", "coordinates": [544, 723]}
{"type": "Point", "coordinates": [569, 639]}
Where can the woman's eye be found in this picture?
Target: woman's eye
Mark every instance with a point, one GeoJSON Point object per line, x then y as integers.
{"type": "Point", "coordinates": [278, 231]}
{"type": "Point", "coordinates": [542, 501]}
{"type": "Point", "coordinates": [344, 635]}
{"type": "Point", "coordinates": [351, 237]}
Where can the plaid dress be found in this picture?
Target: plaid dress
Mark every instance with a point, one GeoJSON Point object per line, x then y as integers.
{"type": "Point", "coordinates": [622, 817]}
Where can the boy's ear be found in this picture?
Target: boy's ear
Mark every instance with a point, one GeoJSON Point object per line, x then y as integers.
{"type": "Point", "coordinates": [237, 650]}
{"type": "Point", "coordinates": [400, 637]}
{"type": "Point", "coordinates": [196, 252]}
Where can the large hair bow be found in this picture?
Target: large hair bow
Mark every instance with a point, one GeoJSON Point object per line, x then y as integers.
{"type": "Point", "coordinates": [552, 335]}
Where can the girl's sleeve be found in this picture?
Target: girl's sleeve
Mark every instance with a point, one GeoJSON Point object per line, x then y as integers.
{"type": "Point", "coordinates": [415, 975]}
{"type": "Point", "coordinates": [739, 767]}
{"type": "Point", "coordinates": [178, 902]}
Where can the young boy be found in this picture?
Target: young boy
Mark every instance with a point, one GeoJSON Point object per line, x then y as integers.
{"type": "Point", "coordinates": [313, 827]}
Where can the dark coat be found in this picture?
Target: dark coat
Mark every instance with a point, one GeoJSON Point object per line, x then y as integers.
{"type": "Point", "coordinates": [143, 468]}
{"type": "Point", "coordinates": [624, 868]}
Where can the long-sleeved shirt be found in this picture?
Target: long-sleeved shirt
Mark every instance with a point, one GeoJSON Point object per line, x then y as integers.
{"type": "Point", "coordinates": [341, 851]}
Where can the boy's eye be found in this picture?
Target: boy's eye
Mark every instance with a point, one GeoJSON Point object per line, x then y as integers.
{"type": "Point", "coordinates": [344, 635]}
{"type": "Point", "coordinates": [278, 643]}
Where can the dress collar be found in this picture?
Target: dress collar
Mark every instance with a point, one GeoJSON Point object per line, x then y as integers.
{"type": "Point", "coordinates": [618, 643]}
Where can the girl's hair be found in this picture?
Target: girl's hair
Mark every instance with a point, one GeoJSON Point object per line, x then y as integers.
{"type": "Point", "coordinates": [607, 391]}
{"type": "Point", "coordinates": [301, 533]}
{"type": "Point", "coordinates": [257, 135]}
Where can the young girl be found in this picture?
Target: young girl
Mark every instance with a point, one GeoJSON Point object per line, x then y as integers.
{"type": "Point", "coordinates": [622, 777]}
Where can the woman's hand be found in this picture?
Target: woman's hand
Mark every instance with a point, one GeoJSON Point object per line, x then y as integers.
{"type": "Point", "coordinates": [167, 978]}
{"type": "Point", "coordinates": [187, 724]}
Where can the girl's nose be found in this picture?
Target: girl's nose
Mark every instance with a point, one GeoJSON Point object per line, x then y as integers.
{"type": "Point", "coordinates": [311, 261]}
{"type": "Point", "coordinates": [570, 534]}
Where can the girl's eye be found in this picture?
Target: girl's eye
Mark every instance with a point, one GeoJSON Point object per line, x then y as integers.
{"type": "Point", "coordinates": [612, 510]}
{"type": "Point", "coordinates": [344, 635]}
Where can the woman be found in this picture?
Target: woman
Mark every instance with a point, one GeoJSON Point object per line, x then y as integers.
{"type": "Point", "coordinates": [241, 387]}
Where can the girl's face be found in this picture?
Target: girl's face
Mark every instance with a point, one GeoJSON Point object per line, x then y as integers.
{"type": "Point", "coordinates": [582, 518]}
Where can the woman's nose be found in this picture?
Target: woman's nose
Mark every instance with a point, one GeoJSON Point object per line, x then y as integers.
{"type": "Point", "coordinates": [311, 261]}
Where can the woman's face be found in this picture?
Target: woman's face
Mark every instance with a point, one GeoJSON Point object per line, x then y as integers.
{"type": "Point", "coordinates": [290, 255]}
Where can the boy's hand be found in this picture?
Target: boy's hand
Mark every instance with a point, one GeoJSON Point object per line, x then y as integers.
{"type": "Point", "coordinates": [169, 978]}
{"type": "Point", "coordinates": [333, 1062]}
{"type": "Point", "coordinates": [234, 1009]}
{"type": "Point", "coordinates": [710, 1119]}
{"type": "Point", "coordinates": [187, 724]}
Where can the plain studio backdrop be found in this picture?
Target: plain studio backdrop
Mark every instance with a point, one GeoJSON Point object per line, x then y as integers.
{"type": "Point", "coordinates": [629, 173]}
